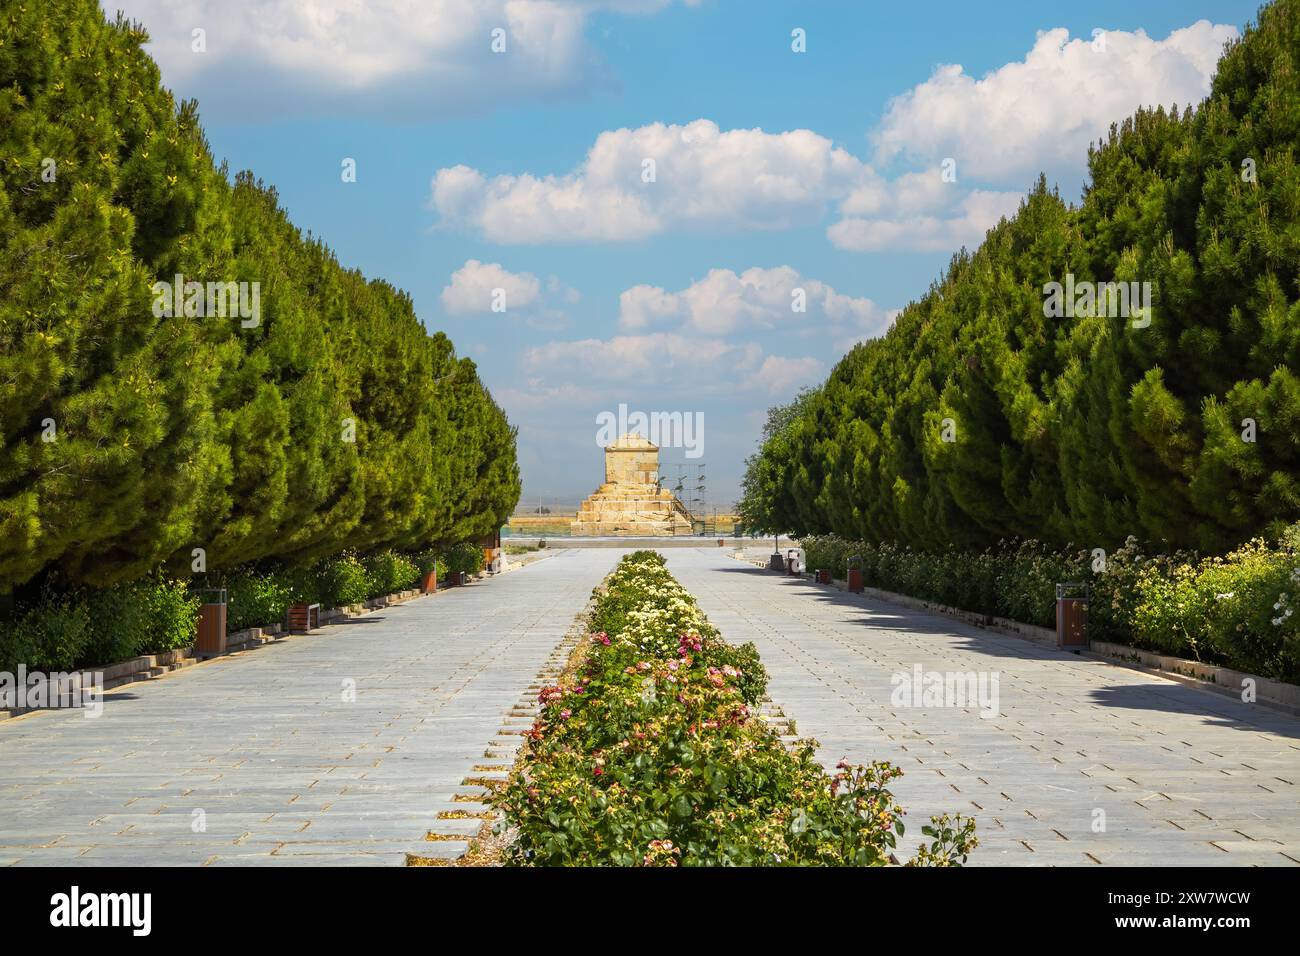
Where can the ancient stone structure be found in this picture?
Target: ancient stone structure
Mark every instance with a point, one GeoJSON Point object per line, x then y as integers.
{"type": "Point", "coordinates": [630, 501]}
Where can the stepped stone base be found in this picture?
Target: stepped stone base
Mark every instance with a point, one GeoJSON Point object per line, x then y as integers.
{"type": "Point", "coordinates": [618, 510]}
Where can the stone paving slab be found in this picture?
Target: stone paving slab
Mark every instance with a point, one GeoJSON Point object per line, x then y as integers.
{"type": "Point", "coordinates": [286, 769]}
{"type": "Point", "coordinates": [1183, 776]}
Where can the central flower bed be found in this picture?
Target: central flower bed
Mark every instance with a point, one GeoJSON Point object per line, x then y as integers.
{"type": "Point", "coordinates": [648, 753]}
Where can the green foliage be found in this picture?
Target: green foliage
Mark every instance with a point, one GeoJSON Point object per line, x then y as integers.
{"type": "Point", "coordinates": [1234, 610]}
{"type": "Point", "coordinates": [648, 755]}
{"type": "Point", "coordinates": [466, 557]}
{"type": "Point", "coordinates": [1086, 430]}
{"type": "Point", "coordinates": [259, 597]}
{"type": "Point", "coordinates": [66, 629]}
{"type": "Point", "coordinates": [341, 581]}
{"type": "Point", "coordinates": [334, 423]}
{"type": "Point", "coordinates": [390, 572]}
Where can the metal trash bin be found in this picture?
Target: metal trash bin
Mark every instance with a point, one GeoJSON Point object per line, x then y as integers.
{"type": "Point", "coordinates": [1072, 615]}
{"type": "Point", "coordinates": [211, 638]}
{"type": "Point", "coordinates": [853, 574]}
{"type": "Point", "coordinates": [776, 562]}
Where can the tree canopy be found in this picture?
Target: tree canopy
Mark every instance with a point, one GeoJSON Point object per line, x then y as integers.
{"type": "Point", "coordinates": [980, 416]}
{"type": "Point", "coordinates": [330, 421]}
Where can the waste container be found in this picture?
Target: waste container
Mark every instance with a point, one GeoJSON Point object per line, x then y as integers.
{"type": "Point", "coordinates": [823, 575]}
{"type": "Point", "coordinates": [793, 561]}
{"type": "Point", "coordinates": [1072, 615]}
{"type": "Point", "coordinates": [776, 562]}
{"type": "Point", "coordinates": [429, 583]}
{"type": "Point", "coordinates": [854, 574]}
{"type": "Point", "coordinates": [211, 639]}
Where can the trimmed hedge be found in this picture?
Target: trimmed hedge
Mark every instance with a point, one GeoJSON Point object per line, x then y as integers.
{"type": "Point", "coordinates": [649, 754]}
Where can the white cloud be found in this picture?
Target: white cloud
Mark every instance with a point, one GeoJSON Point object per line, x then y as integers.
{"type": "Point", "coordinates": [660, 358]}
{"type": "Point", "coordinates": [421, 55]}
{"type": "Point", "coordinates": [667, 365]}
{"type": "Point", "coordinates": [724, 301]}
{"type": "Point", "coordinates": [704, 177]}
{"type": "Point", "coordinates": [475, 287]}
{"type": "Point", "coordinates": [785, 376]}
{"type": "Point", "coordinates": [1040, 113]}
{"type": "Point", "coordinates": [1034, 115]}
{"type": "Point", "coordinates": [482, 288]}
{"type": "Point", "coordinates": [964, 225]}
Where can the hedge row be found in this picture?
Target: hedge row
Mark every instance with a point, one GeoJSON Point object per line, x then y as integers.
{"type": "Point", "coordinates": [648, 753]}
{"type": "Point", "coordinates": [59, 630]}
{"type": "Point", "coordinates": [1234, 610]}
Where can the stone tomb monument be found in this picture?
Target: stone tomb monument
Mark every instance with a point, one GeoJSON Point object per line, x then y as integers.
{"type": "Point", "coordinates": [630, 501]}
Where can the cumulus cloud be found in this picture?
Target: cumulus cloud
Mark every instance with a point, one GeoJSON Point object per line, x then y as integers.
{"type": "Point", "coordinates": [964, 225]}
{"type": "Point", "coordinates": [701, 177]}
{"type": "Point", "coordinates": [724, 301]}
{"type": "Point", "coordinates": [669, 363]}
{"type": "Point", "coordinates": [401, 55]}
{"type": "Point", "coordinates": [1040, 113]}
{"type": "Point", "coordinates": [668, 356]}
{"type": "Point", "coordinates": [478, 288]}
{"type": "Point", "coordinates": [785, 376]}
{"type": "Point", "coordinates": [1034, 115]}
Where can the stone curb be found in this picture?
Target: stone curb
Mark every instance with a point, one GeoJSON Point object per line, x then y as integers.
{"type": "Point", "coordinates": [1224, 681]}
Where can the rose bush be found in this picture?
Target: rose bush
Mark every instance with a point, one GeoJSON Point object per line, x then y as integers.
{"type": "Point", "coordinates": [648, 753]}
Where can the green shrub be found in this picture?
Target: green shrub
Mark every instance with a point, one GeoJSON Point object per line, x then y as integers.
{"type": "Point", "coordinates": [467, 557]}
{"type": "Point", "coordinates": [170, 615]}
{"type": "Point", "coordinates": [390, 572]}
{"type": "Point", "coordinates": [83, 627]}
{"type": "Point", "coordinates": [259, 598]}
{"type": "Point", "coordinates": [342, 580]}
{"type": "Point", "coordinates": [1232, 610]}
{"type": "Point", "coordinates": [53, 634]}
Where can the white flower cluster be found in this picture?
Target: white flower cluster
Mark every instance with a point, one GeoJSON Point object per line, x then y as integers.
{"type": "Point", "coordinates": [1281, 605]}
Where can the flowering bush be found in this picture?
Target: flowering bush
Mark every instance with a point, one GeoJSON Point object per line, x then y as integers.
{"type": "Point", "coordinates": [648, 753]}
{"type": "Point", "coordinates": [1234, 610]}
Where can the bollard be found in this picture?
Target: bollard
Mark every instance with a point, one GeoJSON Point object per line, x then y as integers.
{"type": "Point", "coordinates": [1072, 615]}
{"type": "Point", "coordinates": [854, 574]}
{"type": "Point", "coordinates": [211, 638]}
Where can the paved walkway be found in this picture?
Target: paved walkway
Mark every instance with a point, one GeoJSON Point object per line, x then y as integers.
{"type": "Point", "coordinates": [1178, 775]}
{"type": "Point", "coordinates": [257, 758]}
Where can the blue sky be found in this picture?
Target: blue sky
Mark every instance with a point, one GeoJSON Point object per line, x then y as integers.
{"type": "Point", "coordinates": [474, 164]}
